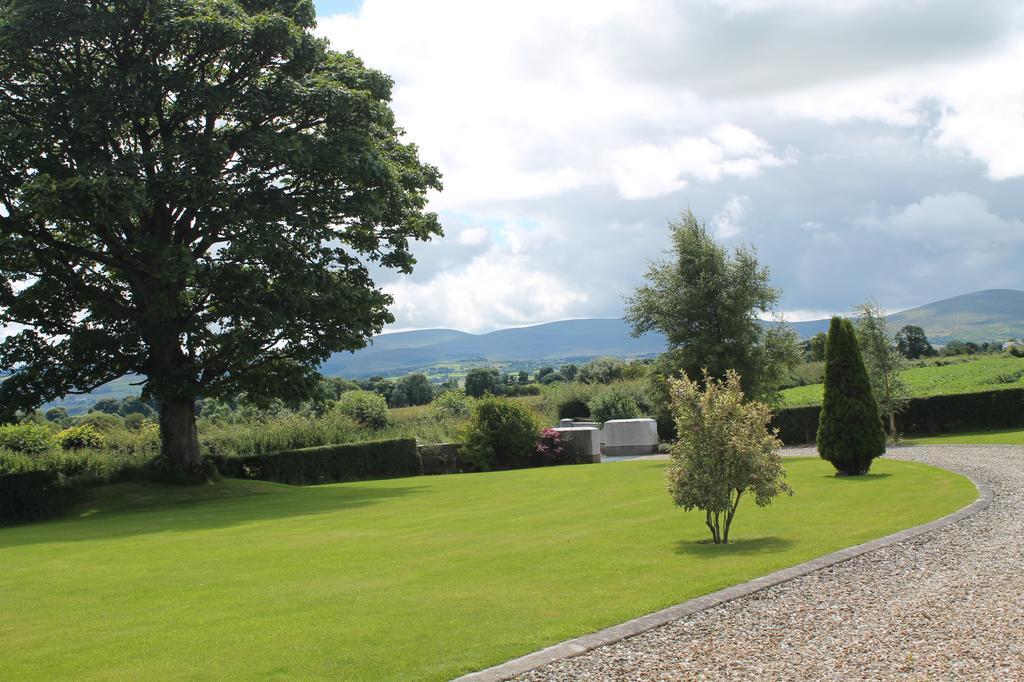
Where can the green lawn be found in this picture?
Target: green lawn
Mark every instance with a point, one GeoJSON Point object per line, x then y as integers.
{"type": "Point", "coordinates": [1011, 437]}
{"type": "Point", "coordinates": [416, 578]}
{"type": "Point", "coordinates": [983, 373]}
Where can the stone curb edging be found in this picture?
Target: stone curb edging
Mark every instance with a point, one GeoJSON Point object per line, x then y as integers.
{"type": "Point", "coordinates": [581, 645]}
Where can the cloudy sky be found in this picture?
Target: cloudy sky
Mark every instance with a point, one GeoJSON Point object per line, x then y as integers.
{"type": "Point", "coordinates": [865, 148]}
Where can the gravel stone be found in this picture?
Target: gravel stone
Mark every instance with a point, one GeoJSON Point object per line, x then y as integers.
{"type": "Point", "coordinates": [946, 605]}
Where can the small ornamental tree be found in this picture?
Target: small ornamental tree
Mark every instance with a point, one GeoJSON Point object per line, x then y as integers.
{"type": "Point", "coordinates": [850, 432]}
{"type": "Point", "coordinates": [724, 451]}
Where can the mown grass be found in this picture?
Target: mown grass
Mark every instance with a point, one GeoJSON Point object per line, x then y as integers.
{"type": "Point", "coordinates": [982, 373]}
{"type": "Point", "coordinates": [416, 578]}
{"type": "Point", "coordinates": [1009, 437]}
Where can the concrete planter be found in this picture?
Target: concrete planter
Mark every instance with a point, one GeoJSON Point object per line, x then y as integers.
{"type": "Point", "coordinates": [625, 437]}
{"type": "Point", "coordinates": [583, 441]}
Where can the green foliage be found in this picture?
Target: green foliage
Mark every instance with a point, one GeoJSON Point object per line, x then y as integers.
{"type": "Point", "coordinates": [101, 421]}
{"type": "Point", "coordinates": [134, 421]}
{"type": "Point", "coordinates": [483, 380]}
{"type": "Point", "coordinates": [519, 390]}
{"type": "Point", "coordinates": [106, 406]}
{"type": "Point", "coordinates": [414, 389]}
{"type": "Point", "coordinates": [501, 434]}
{"type": "Point", "coordinates": [814, 348]}
{"type": "Point", "coordinates": [723, 452]}
{"type": "Point", "coordinates": [27, 439]}
{"type": "Point", "coordinates": [30, 495]}
{"type": "Point", "coordinates": [453, 404]}
{"type": "Point", "coordinates": [573, 408]}
{"type": "Point", "coordinates": [57, 415]}
{"type": "Point", "coordinates": [850, 432]}
{"type": "Point", "coordinates": [601, 371]}
{"type": "Point", "coordinates": [366, 407]}
{"type": "Point", "coordinates": [956, 413]}
{"type": "Point", "coordinates": [707, 303]}
{"type": "Point", "coordinates": [883, 361]}
{"type": "Point", "coordinates": [206, 214]}
{"type": "Point", "coordinates": [614, 404]}
{"type": "Point", "coordinates": [80, 437]}
{"type": "Point", "coordinates": [912, 343]}
{"type": "Point", "coordinates": [327, 463]}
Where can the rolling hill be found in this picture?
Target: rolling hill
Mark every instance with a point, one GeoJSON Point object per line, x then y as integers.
{"type": "Point", "coordinates": [990, 315]}
{"type": "Point", "coordinates": [554, 341]}
{"type": "Point", "coordinates": [994, 314]}
{"type": "Point", "coordinates": [981, 316]}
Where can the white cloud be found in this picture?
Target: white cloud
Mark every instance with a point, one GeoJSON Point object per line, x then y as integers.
{"type": "Point", "coordinates": [728, 221]}
{"type": "Point", "coordinates": [496, 289]}
{"type": "Point", "coordinates": [647, 170]}
{"type": "Point", "coordinates": [472, 236]}
{"type": "Point", "coordinates": [598, 120]}
{"type": "Point", "coordinates": [957, 218]}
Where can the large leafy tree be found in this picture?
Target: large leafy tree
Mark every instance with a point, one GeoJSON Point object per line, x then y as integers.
{"type": "Point", "coordinates": [192, 191]}
{"type": "Point", "coordinates": [913, 343]}
{"type": "Point", "coordinates": [708, 303]}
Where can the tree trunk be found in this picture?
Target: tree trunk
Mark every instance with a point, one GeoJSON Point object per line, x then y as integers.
{"type": "Point", "coordinates": [892, 427]}
{"type": "Point", "coordinates": [179, 440]}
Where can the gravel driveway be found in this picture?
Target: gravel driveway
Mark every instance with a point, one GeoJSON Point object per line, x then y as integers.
{"type": "Point", "coordinates": [948, 604]}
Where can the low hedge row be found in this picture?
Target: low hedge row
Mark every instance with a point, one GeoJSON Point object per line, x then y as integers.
{"type": "Point", "coordinates": [327, 463]}
{"type": "Point", "coordinates": [929, 416]}
{"type": "Point", "coordinates": [32, 495]}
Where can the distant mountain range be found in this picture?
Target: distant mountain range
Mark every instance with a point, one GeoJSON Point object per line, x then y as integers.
{"type": "Point", "coordinates": [995, 314]}
{"type": "Point", "coordinates": [989, 315]}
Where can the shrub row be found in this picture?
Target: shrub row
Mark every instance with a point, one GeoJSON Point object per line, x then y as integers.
{"type": "Point", "coordinates": [31, 495]}
{"type": "Point", "coordinates": [922, 416]}
{"type": "Point", "coordinates": [327, 463]}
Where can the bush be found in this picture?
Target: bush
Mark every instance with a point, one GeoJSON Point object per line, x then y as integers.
{"type": "Point", "coordinates": [440, 458]}
{"type": "Point", "coordinates": [850, 431]}
{"type": "Point", "coordinates": [724, 451]}
{"type": "Point", "coordinates": [79, 437]}
{"type": "Point", "coordinates": [327, 463]}
{"type": "Point", "coordinates": [366, 407]}
{"type": "Point", "coordinates": [519, 390]}
{"type": "Point", "coordinates": [550, 449]}
{"type": "Point", "coordinates": [614, 404]}
{"type": "Point", "coordinates": [101, 421]}
{"type": "Point", "coordinates": [31, 495]}
{"type": "Point", "coordinates": [414, 389]}
{"type": "Point", "coordinates": [28, 439]}
{"type": "Point", "coordinates": [500, 434]}
{"type": "Point", "coordinates": [573, 408]}
{"type": "Point", "coordinates": [452, 404]}
{"type": "Point", "coordinates": [601, 371]}
{"type": "Point", "coordinates": [133, 421]}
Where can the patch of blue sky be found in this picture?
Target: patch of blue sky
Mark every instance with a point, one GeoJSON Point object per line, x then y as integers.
{"type": "Point", "coordinates": [326, 8]}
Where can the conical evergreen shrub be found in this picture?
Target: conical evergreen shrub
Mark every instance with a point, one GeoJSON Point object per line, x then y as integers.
{"type": "Point", "coordinates": [850, 432]}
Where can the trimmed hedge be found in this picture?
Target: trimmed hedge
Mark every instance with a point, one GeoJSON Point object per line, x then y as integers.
{"type": "Point", "coordinates": [931, 416]}
{"type": "Point", "coordinates": [327, 463]}
{"type": "Point", "coordinates": [32, 495]}
{"type": "Point", "coordinates": [440, 458]}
